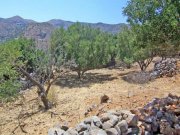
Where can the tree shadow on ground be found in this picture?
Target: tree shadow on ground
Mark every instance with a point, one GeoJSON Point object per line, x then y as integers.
{"type": "Point", "coordinates": [117, 67]}
{"type": "Point", "coordinates": [72, 81]}
{"type": "Point", "coordinates": [127, 73]}
{"type": "Point", "coordinates": [136, 77]}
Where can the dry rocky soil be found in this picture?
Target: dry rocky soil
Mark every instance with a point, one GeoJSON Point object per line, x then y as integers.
{"type": "Point", "coordinates": [77, 99]}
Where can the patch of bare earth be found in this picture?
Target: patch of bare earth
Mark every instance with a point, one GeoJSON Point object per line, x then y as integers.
{"type": "Point", "coordinates": [74, 98]}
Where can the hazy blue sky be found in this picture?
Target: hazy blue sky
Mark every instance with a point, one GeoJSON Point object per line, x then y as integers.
{"type": "Point", "coordinates": [107, 11]}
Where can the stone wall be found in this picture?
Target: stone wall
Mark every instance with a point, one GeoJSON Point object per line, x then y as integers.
{"type": "Point", "coordinates": [167, 67]}
{"type": "Point", "coordinates": [160, 116]}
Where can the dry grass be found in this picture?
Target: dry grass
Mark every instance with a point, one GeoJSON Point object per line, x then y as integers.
{"type": "Point", "coordinates": [74, 96]}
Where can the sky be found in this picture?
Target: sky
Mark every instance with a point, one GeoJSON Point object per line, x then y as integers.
{"type": "Point", "coordinates": [93, 11]}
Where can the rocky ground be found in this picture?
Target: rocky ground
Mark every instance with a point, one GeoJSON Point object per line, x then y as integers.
{"type": "Point", "coordinates": [78, 99]}
{"type": "Point", "coordinates": [160, 116]}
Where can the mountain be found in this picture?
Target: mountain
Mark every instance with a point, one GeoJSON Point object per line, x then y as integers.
{"type": "Point", "coordinates": [16, 26]}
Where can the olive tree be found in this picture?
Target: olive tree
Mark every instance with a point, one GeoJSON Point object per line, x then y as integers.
{"type": "Point", "coordinates": [134, 46]}
{"type": "Point", "coordinates": [160, 20]}
{"type": "Point", "coordinates": [85, 47]}
{"type": "Point", "coordinates": [20, 55]}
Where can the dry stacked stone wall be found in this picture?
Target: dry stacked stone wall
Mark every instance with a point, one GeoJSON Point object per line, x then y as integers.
{"type": "Point", "coordinates": [160, 116]}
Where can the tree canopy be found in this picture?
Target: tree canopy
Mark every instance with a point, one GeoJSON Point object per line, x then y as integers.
{"type": "Point", "coordinates": [160, 20]}
{"type": "Point", "coordinates": [88, 48]}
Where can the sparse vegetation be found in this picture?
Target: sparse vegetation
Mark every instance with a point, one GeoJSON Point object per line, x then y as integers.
{"type": "Point", "coordinates": [152, 33]}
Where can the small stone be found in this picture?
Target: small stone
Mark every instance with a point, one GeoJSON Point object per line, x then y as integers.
{"type": "Point", "coordinates": [104, 118]}
{"type": "Point", "coordinates": [107, 125]}
{"type": "Point", "coordinates": [72, 131]}
{"type": "Point", "coordinates": [159, 114]}
{"type": "Point", "coordinates": [56, 131]}
{"type": "Point", "coordinates": [147, 126]}
{"type": "Point", "coordinates": [104, 99]}
{"type": "Point", "coordinates": [112, 131]}
{"type": "Point", "coordinates": [133, 131]}
{"type": "Point", "coordinates": [177, 111]}
{"type": "Point", "coordinates": [149, 119]}
{"type": "Point", "coordinates": [132, 120]}
{"type": "Point", "coordinates": [177, 126]}
{"type": "Point", "coordinates": [87, 121]}
{"type": "Point", "coordinates": [81, 127]}
{"type": "Point", "coordinates": [92, 126]}
{"type": "Point", "coordinates": [123, 126]}
{"type": "Point", "coordinates": [147, 133]}
{"type": "Point", "coordinates": [154, 126]}
{"type": "Point", "coordinates": [86, 113]}
{"type": "Point", "coordinates": [97, 121]}
{"type": "Point", "coordinates": [139, 123]}
{"type": "Point", "coordinates": [165, 128]}
{"type": "Point", "coordinates": [97, 132]}
{"type": "Point", "coordinates": [129, 131]}
{"type": "Point", "coordinates": [64, 127]}
{"type": "Point", "coordinates": [113, 120]}
{"type": "Point", "coordinates": [118, 130]}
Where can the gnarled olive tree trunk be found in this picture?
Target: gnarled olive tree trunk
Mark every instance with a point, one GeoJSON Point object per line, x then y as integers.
{"type": "Point", "coordinates": [42, 92]}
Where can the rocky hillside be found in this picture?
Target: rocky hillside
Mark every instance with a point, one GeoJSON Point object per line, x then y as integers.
{"type": "Point", "coordinates": [16, 26]}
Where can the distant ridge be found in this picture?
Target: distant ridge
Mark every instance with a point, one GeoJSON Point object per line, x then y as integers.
{"type": "Point", "coordinates": [16, 26]}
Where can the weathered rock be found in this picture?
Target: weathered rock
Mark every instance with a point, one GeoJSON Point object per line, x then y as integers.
{"type": "Point", "coordinates": [177, 129]}
{"type": "Point", "coordinates": [113, 120]}
{"type": "Point", "coordinates": [147, 133]}
{"type": "Point", "coordinates": [165, 128]}
{"type": "Point", "coordinates": [104, 117]}
{"type": "Point", "coordinates": [56, 131]}
{"type": "Point", "coordinates": [159, 114]}
{"type": "Point", "coordinates": [81, 127]}
{"type": "Point", "coordinates": [88, 120]}
{"type": "Point", "coordinates": [118, 130]}
{"type": "Point", "coordinates": [104, 99]}
{"type": "Point", "coordinates": [107, 125]}
{"type": "Point", "coordinates": [177, 111]}
{"type": "Point", "coordinates": [177, 126]}
{"type": "Point", "coordinates": [64, 127]}
{"type": "Point", "coordinates": [149, 119]}
{"type": "Point", "coordinates": [84, 133]}
{"type": "Point", "coordinates": [71, 131]}
{"type": "Point", "coordinates": [123, 126]}
{"type": "Point", "coordinates": [112, 131]}
{"type": "Point", "coordinates": [154, 126]}
{"type": "Point", "coordinates": [97, 132]}
{"type": "Point", "coordinates": [97, 121]}
{"type": "Point", "coordinates": [133, 131]}
{"type": "Point", "coordinates": [132, 120]}
{"type": "Point", "coordinates": [147, 126]}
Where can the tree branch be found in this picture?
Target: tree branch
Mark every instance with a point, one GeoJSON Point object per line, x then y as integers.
{"type": "Point", "coordinates": [51, 82]}
{"type": "Point", "coordinates": [31, 78]}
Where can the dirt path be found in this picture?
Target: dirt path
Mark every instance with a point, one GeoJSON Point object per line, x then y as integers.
{"type": "Point", "coordinates": [74, 97]}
